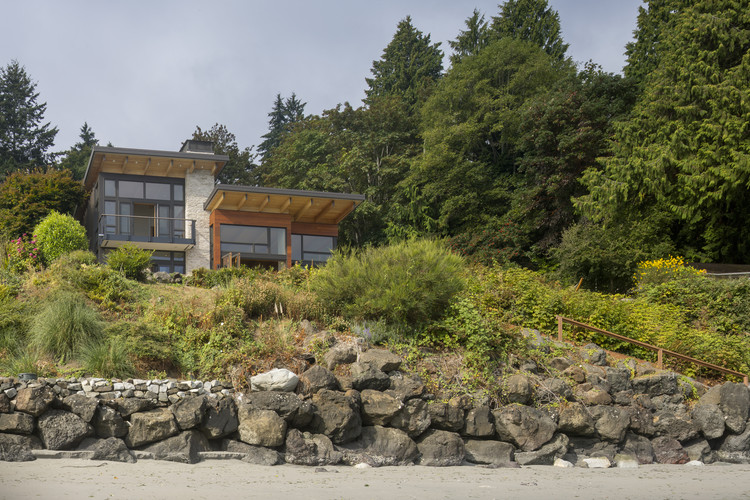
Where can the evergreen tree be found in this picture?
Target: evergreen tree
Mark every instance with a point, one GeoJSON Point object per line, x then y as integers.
{"type": "Point", "coordinates": [686, 149]}
{"type": "Point", "coordinates": [470, 41]}
{"type": "Point", "coordinates": [76, 159]}
{"type": "Point", "coordinates": [531, 20]}
{"type": "Point", "coordinates": [240, 168]}
{"type": "Point", "coordinates": [654, 21]}
{"type": "Point", "coordinates": [284, 113]}
{"type": "Point", "coordinates": [24, 139]}
{"type": "Point", "coordinates": [409, 67]}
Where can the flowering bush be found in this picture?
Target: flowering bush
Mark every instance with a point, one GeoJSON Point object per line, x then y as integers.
{"type": "Point", "coordinates": [654, 272]}
{"type": "Point", "coordinates": [23, 254]}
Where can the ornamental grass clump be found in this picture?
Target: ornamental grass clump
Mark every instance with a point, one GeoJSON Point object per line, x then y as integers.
{"type": "Point", "coordinates": [65, 325]}
{"type": "Point", "coordinates": [410, 283]}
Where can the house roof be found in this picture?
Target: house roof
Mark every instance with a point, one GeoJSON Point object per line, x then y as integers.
{"type": "Point", "coordinates": [149, 162]}
{"type": "Point", "coordinates": [304, 206]}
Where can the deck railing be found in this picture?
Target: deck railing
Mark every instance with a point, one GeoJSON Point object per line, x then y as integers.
{"type": "Point", "coordinates": [660, 352]}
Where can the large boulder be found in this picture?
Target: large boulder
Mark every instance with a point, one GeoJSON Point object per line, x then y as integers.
{"type": "Point", "coordinates": [709, 419]}
{"type": "Point", "coordinates": [34, 400]}
{"type": "Point", "coordinates": [677, 425]}
{"type": "Point", "coordinates": [128, 406]}
{"type": "Point", "coordinates": [405, 387]}
{"type": "Point", "coordinates": [189, 412]}
{"type": "Point", "coordinates": [734, 401]}
{"type": "Point", "coordinates": [221, 419]}
{"type": "Point", "coordinates": [83, 406]}
{"type": "Point", "coordinates": [583, 447]}
{"type": "Point", "coordinates": [639, 447]}
{"type": "Point", "coordinates": [446, 416]}
{"type": "Point", "coordinates": [289, 406]}
{"type": "Point", "coordinates": [278, 379]}
{"type": "Point", "coordinates": [310, 449]}
{"type": "Point", "coordinates": [527, 428]}
{"type": "Point", "coordinates": [183, 448]}
{"type": "Point", "coordinates": [618, 379]}
{"type": "Point", "coordinates": [367, 376]}
{"type": "Point", "coordinates": [656, 384]}
{"type": "Point", "coordinates": [378, 408]}
{"type": "Point", "coordinates": [316, 378]}
{"type": "Point", "coordinates": [337, 415]}
{"type": "Point", "coordinates": [381, 359]}
{"type": "Point", "coordinates": [256, 455]}
{"type": "Point", "coordinates": [576, 420]}
{"type": "Point", "coordinates": [546, 455]}
{"type": "Point", "coordinates": [611, 422]}
{"type": "Point", "coordinates": [518, 389]}
{"type": "Point", "coordinates": [340, 354]}
{"type": "Point", "coordinates": [440, 448]}
{"type": "Point", "coordinates": [16, 423]}
{"type": "Point", "coordinates": [4, 403]}
{"type": "Point", "coordinates": [261, 427]}
{"type": "Point", "coordinates": [413, 418]}
{"type": "Point", "coordinates": [15, 448]}
{"type": "Point", "coordinates": [668, 450]}
{"type": "Point", "coordinates": [735, 448]}
{"type": "Point", "coordinates": [62, 430]}
{"type": "Point", "coordinates": [378, 446]}
{"type": "Point", "coordinates": [111, 449]}
{"type": "Point", "coordinates": [480, 451]}
{"type": "Point", "coordinates": [479, 422]}
{"type": "Point", "coordinates": [108, 423]}
{"type": "Point", "coordinates": [149, 426]}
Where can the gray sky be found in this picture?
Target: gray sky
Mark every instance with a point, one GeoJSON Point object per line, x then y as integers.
{"type": "Point", "coordinates": [144, 73]}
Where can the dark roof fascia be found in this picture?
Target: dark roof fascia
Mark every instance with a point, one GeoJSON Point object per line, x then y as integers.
{"type": "Point", "coordinates": [283, 192]}
{"type": "Point", "coordinates": [154, 152]}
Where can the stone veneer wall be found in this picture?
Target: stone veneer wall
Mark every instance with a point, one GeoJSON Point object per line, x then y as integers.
{"type": "Point", "coordinates": [198, 187]}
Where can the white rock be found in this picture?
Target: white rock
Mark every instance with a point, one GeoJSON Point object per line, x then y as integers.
{"type": "Point", "coordinates": [11, 393]}
{"type": "Point", "coordinates": [695, 463]}
{"type": "Point", "coordinates": [153, 388]}
{"type": "Point", "coordinates": [597, 462]}
{"type": "Point", "coordinates": [118, 386]}
{"type": "Point", "coordinates": [139, 381]}
{"type": "Point", "coordinates": [170, 385]}
{"type": "Point", "coordinates": [163, 389]}
{"type": "Point", "coordinates": [278, 379]}
{"type": "Point", "coordinates": [129, 386]}
{"type": "Point", "coordinates": [207, 385]}
{"type": "Point", "coordinates": [559, 462]}
{"type": "Point", "coordinates": [362, 466]}
{"type": "Point", "coordinates": [626, 463]}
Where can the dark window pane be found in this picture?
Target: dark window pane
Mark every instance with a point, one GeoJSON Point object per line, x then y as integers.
{"type": "Point", "coordinates": [236, 247]}
{"type": "Point", "coordinates": [130, 189]}
{"type": "Point", "coordinates": [261, 248]}
{"type": "Point", "coordinates": [296, 247]}
{"type": "Point", "coordinates": [178, 192]}
{"type": "Point", "coordinates": [319, 244]}
{"type": "Point", "coordinates": [157, 191]}
{"type": "Point", "coordinates": [110, 189]}
{"type": "Point", "coordinates": [244, 234]}
{"type": "Point", "coordinates": [316, 257]}
{"type": "Point", "coordinates": [278, 241]}
{"type": "Point", "coordinates": [125, 210]}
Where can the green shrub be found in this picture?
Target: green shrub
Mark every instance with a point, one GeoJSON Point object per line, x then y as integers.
{"type": "Point", "coordinates": [75, 260]}
{"type": "Point", "coordinates": [65, 325]}
{"type": "Point", "coordinates": [107, 358]}
{"type": "Point", "coordinates": [130, 260]}
{"type": "Point", "coordinates": [13, 324]}
{"type": "Point", "coordinates": [149, 345]}
{"type": "Point", "coordinates": [58, 234]}
{"type": "Point", "coordinates": [206, 278]}
{"type": "Point", "coordinates": [410, 283]}
{"type": "Point", "coordinates": [22, 360]}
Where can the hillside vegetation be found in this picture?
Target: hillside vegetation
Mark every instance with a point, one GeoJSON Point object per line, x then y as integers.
{"type": "Point", "coordinates": [75, 316]}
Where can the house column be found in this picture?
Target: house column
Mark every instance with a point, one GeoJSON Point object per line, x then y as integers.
{"type": "Point", "coordinates": [198, 186]}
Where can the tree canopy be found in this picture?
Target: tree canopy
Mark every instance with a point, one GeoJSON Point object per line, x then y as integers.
{"type": "Point", "coordinates": [24, 138]}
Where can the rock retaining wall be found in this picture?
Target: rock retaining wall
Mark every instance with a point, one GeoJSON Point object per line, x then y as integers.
{"type": "Point", "coordinates": [594, 416]}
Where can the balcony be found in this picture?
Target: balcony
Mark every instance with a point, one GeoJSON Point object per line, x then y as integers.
{"type": "Point", "coordinates": [151, 233]}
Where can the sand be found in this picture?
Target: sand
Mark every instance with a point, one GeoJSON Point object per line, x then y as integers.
{"type": "Point", "coordinates": [230, 479]}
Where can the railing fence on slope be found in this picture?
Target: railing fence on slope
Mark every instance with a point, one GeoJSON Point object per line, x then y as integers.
{"type": "Point", "coordinates": [660, 352]}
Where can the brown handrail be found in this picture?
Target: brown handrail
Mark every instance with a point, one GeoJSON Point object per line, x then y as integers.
{"type": "Point", "coordinates": [660, 352]}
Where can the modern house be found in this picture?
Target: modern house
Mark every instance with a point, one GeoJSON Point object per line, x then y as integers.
{"type": "Point", "coordinates": [169, 202]}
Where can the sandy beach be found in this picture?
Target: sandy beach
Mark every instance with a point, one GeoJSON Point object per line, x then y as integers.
{"type": "Point", "coordinates": [149, 479]}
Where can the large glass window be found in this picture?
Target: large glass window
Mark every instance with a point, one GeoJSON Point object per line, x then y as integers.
{"type": "Point", "coordinates": [168, 262]}
{"type": "Point", "coordinates": [158, 191]}
{"type": "Point", "coordinates": [253, 240]}
{"type": "Point", "coordinates": [131, 189]}
{"type": "Point", "coordinates": [311, 249]}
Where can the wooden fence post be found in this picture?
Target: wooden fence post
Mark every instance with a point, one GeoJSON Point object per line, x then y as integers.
{"type": "Point", "coordinates": [559, 329]}
{"type": "Point", "coordinates": [659, 359]}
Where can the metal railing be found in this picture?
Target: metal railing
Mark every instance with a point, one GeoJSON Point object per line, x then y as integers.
{"type": "Point", "coordinates": [660, 352]}
{"type": "Point", "coordinates": [148, 229]}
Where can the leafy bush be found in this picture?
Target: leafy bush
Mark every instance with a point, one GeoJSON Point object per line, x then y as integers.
{"type": "Point", "coordinates": [130, 260]}
{"type": "Point", "coordinates": [21, 254]}
{"type": "Point", "coordinates": [13, 324]}
{"type": "Point", "coordinates": [58, 234]}
{"type": "Point", "coordinates": [107, 358]}
{"type": "Point", "coordinates": [65, 325]}
{"type": "Point", "coordinates": [149, 345]}
{"type": "Point", "coordinates": [654, 272]}
{"type": "Point", "coordinates": [207, 278]}
{"type": "Point", "coordinates": [410, 283]}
